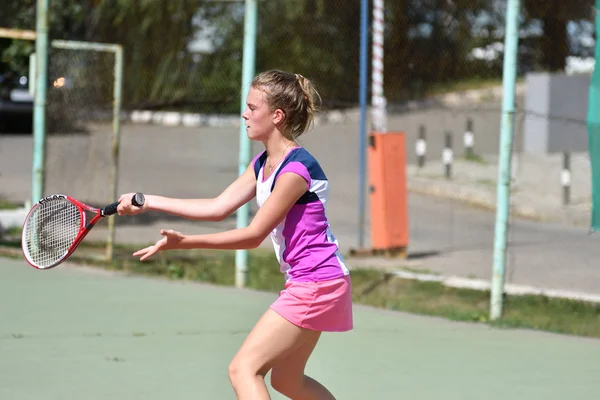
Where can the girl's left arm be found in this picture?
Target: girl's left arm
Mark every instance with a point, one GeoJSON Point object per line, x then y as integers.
{"type": "Point", "coordinates": [289, 187]}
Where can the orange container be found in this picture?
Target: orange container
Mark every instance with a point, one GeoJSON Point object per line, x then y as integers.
{"type": "Point", "coordinates": [388, 197]}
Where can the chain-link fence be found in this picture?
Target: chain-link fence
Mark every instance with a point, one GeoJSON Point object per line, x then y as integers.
{"type": "Point", "coordinates": [79, 118]}
{"type": "Point", "coordinates": [442, 69]}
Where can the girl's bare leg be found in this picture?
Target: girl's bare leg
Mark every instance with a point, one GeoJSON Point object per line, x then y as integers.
{"type": "Point", "coordinates": [272, 339]}
{"type": "Point", "coordinates": [287, 376]}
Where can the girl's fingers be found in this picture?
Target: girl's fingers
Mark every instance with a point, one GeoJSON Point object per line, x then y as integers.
{"type": "Point", "coordinates": [142, 251]}
{"type": "Point", "coordinates": [148, 254]}
{"type": "Point", "coordinates": [151, 250]}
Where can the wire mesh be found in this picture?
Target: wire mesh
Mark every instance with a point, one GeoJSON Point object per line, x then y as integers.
{"type": "Point", "coordinates": [442, 77]}
{"type": "Point", "coordinates": [79, 115]}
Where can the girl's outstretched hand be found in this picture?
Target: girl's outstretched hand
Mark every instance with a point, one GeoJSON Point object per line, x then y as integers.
{"type": "Point", "coordinates": [170, 241]}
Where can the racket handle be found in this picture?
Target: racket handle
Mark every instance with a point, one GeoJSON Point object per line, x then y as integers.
{"type": "Point", "coordinates": [137, 200]}
{"type": "Point", "coordinates": [110, 209]}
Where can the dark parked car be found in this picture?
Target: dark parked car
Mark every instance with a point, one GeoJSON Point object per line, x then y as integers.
{"type": "Point", "coordinates": [16, 103]}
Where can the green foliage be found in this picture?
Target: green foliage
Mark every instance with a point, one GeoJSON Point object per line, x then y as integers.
{"type": "Point", "coordinates": [15, 56]}
{"type": "Point", "coordinates": [427, 44]}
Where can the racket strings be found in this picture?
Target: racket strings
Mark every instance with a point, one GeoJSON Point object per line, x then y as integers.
{"type": "Point", "coordinates": [51, 229]}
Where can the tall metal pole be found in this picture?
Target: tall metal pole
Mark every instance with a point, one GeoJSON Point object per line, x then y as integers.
{"type": "Point", "coordinates": [116, 140]}
{"type": "Point", "coordinates": [511, 41]}
{"type": "Point", "coordinates": [378, 98]}
{"type": "Point", "coordinates": [248, 67]}
{"type": "Point", "coordinates": [39, 111]}
{"type": "Point", "coordinates": [593, 126]}
{"type": "Point", "coordinates": [364, 33]}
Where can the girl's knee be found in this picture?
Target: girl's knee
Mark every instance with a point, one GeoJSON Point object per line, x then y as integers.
{"type": "Point", "coordinates": [233, 369]}
{"type": "Point", "coordinates": [236, 371]}
{"type": "Point", "coordinates": [240, 369]}
{"type": "Point", "coordinates": [237, 367]}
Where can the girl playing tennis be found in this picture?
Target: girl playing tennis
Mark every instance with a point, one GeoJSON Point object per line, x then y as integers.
{"type": "Point", "coordinates": [291, 191]}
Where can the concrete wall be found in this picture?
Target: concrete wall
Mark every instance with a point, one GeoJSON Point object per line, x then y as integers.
{"type": "Point", "coordinates": [556, 108]}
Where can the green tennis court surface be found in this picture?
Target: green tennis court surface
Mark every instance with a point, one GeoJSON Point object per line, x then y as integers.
{"type": "Point", "coordinates": [73, 333]}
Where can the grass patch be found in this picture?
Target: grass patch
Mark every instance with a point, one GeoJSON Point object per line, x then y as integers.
{"type": "Point", "coordinates": [412, 270]}
{"type": "Point", "coordinates": [9, 205]}
{"type": "Point", "coordinates": [370, 287]}
{"type": "Point", "coordinates": [433, 298]}
{"type": "Point", "coordinates": [214, 267]}
{"type": "Point", "coordinates": [475, 158]}
{"type": "Point", "coordinates": [13, 231]}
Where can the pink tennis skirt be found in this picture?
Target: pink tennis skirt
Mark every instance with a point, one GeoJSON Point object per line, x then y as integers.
{"type": "Point", "coordinates": [320, 306]}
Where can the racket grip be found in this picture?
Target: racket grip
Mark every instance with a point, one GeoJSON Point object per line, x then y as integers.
{"type": "Point", "coordinates": [137, 200]}
{"type": "Point", "coordinates": [110, 209]}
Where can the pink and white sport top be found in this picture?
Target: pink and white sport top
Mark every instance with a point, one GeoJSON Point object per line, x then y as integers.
{"type": "Point", "coordinates": [304, 245]}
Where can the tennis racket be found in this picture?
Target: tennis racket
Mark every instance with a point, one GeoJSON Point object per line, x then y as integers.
{"type": "Point", "coordinates": [57, 224]}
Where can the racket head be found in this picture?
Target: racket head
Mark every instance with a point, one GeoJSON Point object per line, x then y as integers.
{"type": "Point", "coordinates": [51, 231]}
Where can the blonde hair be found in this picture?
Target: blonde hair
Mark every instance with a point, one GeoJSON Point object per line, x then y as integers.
{"type": "Point", "coordinates": [294, 94]}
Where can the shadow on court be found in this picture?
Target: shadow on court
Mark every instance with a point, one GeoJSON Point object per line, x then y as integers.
{"type": "Point", "coordinates": [79, 333]}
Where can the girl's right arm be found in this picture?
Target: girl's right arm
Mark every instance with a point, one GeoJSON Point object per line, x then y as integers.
{"type": "Point", "coordinates": [242, 190]}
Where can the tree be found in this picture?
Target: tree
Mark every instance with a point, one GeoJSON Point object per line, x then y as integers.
{"type": "Point", "coordinates": [66, 20]}
{"type": "Point", "coordinates": [429, 42]}
{"type": "Point", "coordinates": [318, 38]}
{"type": "Point", "coordinates": [154, 35]}
{"type": "Point", "coordinates": [554, 15]}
